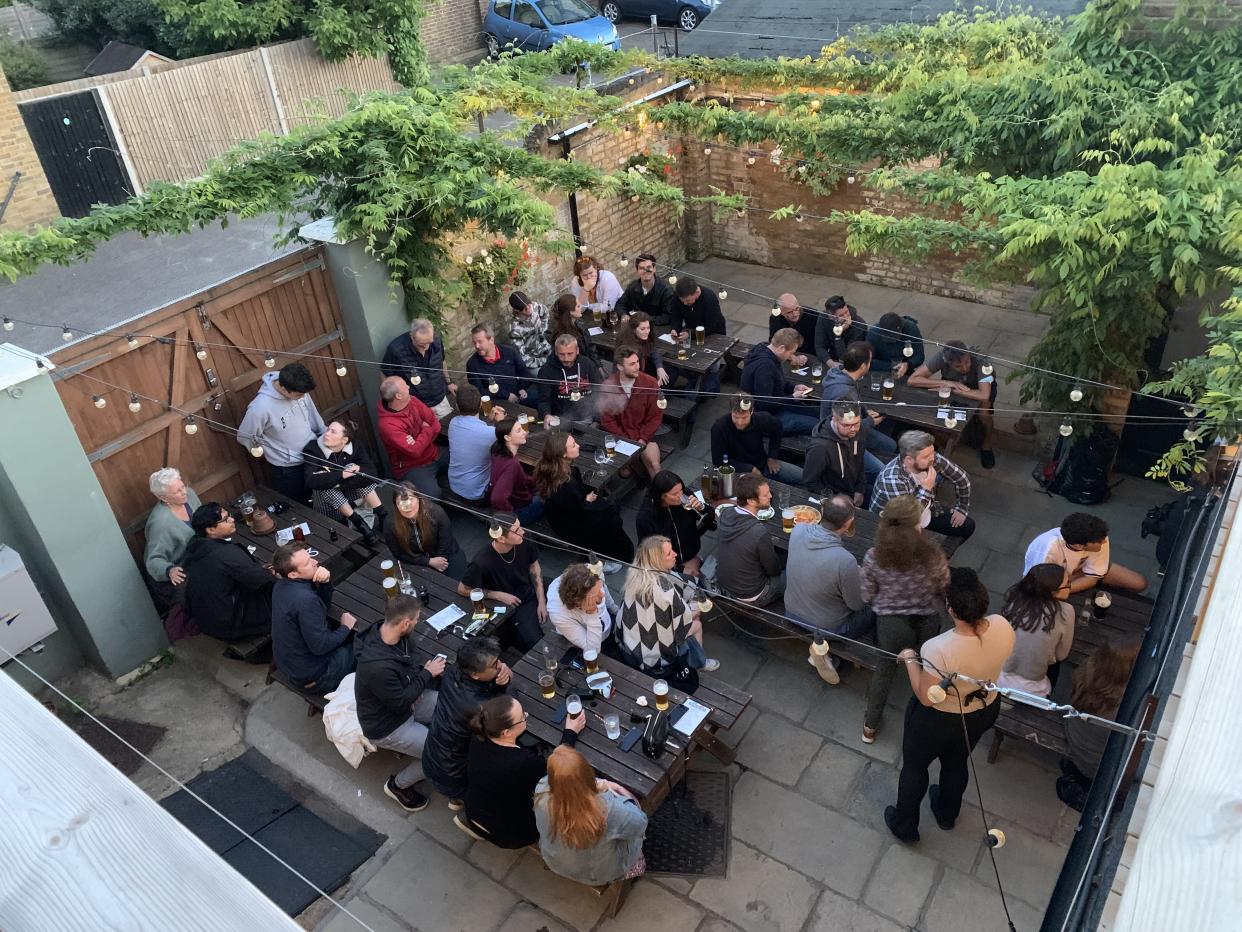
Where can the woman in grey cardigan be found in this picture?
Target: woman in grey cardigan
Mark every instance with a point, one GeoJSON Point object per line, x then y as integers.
{"type": "Point", "coordinates": [590, 830]}
{"type": "Point", "coordinates": [168, 531]}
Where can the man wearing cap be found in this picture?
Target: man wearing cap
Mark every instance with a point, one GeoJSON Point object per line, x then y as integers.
{"type": "Point", "coordinates": [751, 442]}
{"type": "Point", "coordinates": [835, 455]}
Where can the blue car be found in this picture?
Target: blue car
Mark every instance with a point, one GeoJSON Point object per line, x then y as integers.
{"type": "Point", "coordinates": [536, 25]}
{"type": "Point", "coordinates": [685, 13]}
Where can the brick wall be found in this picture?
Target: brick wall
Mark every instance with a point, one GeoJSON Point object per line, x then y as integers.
{"type": "Point", "coordinates": [453, 29]}
{"type": "Point", "coordinates": [32, 203]}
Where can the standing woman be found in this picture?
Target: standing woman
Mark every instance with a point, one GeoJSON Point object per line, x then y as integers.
{"type": "Point", "coordinates": [660, 631]}
{"type": "Point", "coordinates": [577, 512]}
{"type": "Point", "coordinates": [511, 489]}
{"type": "Point", "coordinates": [636, 331]}
{"type": "Point", "coordinates": [339, 475]}
{"type": "Point", "coordinates": [903, 579]}
{"type": "Point", "coordinates": [421, 534]}
{"type": "Point", "coordinates": [501, 776]}
{"type": "Point", "coordinates": [168, 532]}
{"type": "Point", "coordinates": [528, 330]}
{"type": "Point", "coordinates": [567, 319]}
{"type": "Point", "coordinates": [663, 512]}
{"type": "Point", "coordinates": [1044, 626]}
{"type": "Point", "coordinates": [590, 830]}
{"type": "Point", "coordinates": [593, 286]}
{"type": "Point", "coordinates": [976, 647]}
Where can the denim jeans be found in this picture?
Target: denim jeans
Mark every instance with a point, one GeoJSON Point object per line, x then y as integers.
{"type": "Point", "coordinates": [531, 512]}
{"type": "Point", "coordinates": [409, 738]}
{"type": "Point", "coordinates": [693, 653]}
{"type": "Point", "coordinates": [878, 442]}
{"type": "Point", "coordinates": [772, 590]}
{"type": "Point", "coordinates": [786, 473]}
{"type": "Point", "coordinates": [794, 424]}
{"type": "Point", "coordinates": [858, 623]}
{"type": "Point", "coordinates": [340, 665]}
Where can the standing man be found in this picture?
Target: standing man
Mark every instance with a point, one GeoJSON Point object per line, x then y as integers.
{"type": "Point", "coordinates": [829, 345]}
{"type": "Point", "coordinates": [418, 357]}
{"type": "Point", "coordinates": [751, 441]}
{"type": "Point", "coordinates": [961, 369]}
{"type": "Point", "coordinates": [627, 406]}
{"type": "Point", "coordinates": [494, 364]}
{"type": "Point", "coordinates": [763, 377]}
{"type": "Point", "coordinates": [794, 315]}
{"type": "Point", "coordinates": [282, 419]}
{"type": "Point", "coordinates": [916, 470]}
{"type": "Point", "coordinates": [841, 384]}
{"type": "Point", "coordinates": [408, 429]}
{"type": "Point", "coordinates": [647, 293]}
{"type": "Point", "coordinates": [304, 648]}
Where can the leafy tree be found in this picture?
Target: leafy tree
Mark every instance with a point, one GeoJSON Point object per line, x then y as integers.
{"type": "Point", "coordinates": [22, 64]}
{"type": "Point", "coordinates": [138, 22]}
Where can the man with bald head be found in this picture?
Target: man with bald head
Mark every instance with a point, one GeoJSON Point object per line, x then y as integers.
{"type": "Point", "coordinates": [408, 430]}
{"type": "Point", "coordinates": [794, 316]}
{"type": "Point", "coordinates": [418, 357]}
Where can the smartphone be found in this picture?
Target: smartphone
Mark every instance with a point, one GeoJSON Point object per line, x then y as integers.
{"type": "Point", "coordinates": [441, 657]}
{"type": "Point", "coordinates": [631, 738]}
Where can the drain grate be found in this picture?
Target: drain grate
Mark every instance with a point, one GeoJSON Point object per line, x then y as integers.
{"type": "Point", "coordinates": [689, 834]}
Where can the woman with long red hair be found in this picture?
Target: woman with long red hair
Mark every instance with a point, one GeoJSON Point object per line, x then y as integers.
{"type": "Point", "coordinates": [590, 830]}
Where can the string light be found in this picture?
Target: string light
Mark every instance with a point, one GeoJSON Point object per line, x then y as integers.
{"type": "Point", "coordinates": [750, 160]}
{"type": "Point", "coordinates": [134, 404]}
{"type": "Point", "coordinates": [66, 334]}
{"type": "Point", "coordinates": [131, 340]}
{"type": "Point", "coordinates": [986, 368]}
{"type": "Point", "coordinates": [200, 351]}
{"type": "Point", "coordinates": [908, 349]}
{"type": "Point", "coordinates": [1066, 428]}
{"type": "Point", "coordinates": [191, 425]}
{"type": "Point", "coordinates": [270, 361]}
{"type": "Point", "coordinates": [707, 150]}
{"type": "Point", "coordinates": [849, 179]}
{"type": "Point", "coordinates": [1190, 434]}
{"type": "Point", "coordinates": [256, 451]}
{"type": "Point", "coordinates": [1076, 393]}
{"type": "Point", "coordinates": [838, 329]}
{"type": "Point", "coordinates": [99, 401]}
{"type": "Point", "coordinates": [776, 310]}
{"type": "Point", "coordinates": [672, 279]}
{"type": "Point", "coordinates": [798, 218]}
{"type": "Point", "coordinates": [723, 295]}
{"type": "Point", "coordinates": [8, 324]}
{"type": "Point", "coordinates": [416, 379]}
{"type": "Point", "coordinates": [494, 387]}
{"type": "Point", "coordinates": [341, 370]}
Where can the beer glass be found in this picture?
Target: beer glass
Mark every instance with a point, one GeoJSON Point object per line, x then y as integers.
{"type": "Point", "coordinates": [787, 520]}
{"type": "Point", "coordinates": [547, 685]}
{"type": "Point", "coordinates": [889, 384]}
{"type": "Point", "coordinates": [390, 587]}
{"type": "Point", "coordinates": [700, 335]}
{"type": "Point", "coordinates": [592, 661]}
{"type": "Point", "coordinates": [660, 688]}
{"type": "Point", "coordinates": [388, 568]}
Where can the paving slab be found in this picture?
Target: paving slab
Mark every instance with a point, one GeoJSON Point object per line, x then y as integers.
{"type": "Point", "coordinates": [738, 661]}
{"type": "Point", "coordinates": [900, 884]}
{"type": "Point", "coordinates": [1028, 866]}
{"type": "Point", "coordinates": [838, 715]}
{"type": "Point", "coordinates": [650, 907]}
{"type": "Point", "coordinates": [374, 916]}
{"type": "Point", "coordinates": [771, 898]}
{"type": "Point", "coordinates": [1018, 789]}
{"type": "Point", "coordinates": [789, 689]}
{"type": "Point", "coordinates": [963, 904]}
{"type": "Point", "coordinates": [493, 861]}
{"type": "Point", "coordinates": [778, 748]}
{"type": "Point", "coordinates": [816, 841]}
{"type": "Point", "coordinates": [716, 924]}
{"type": "Point", "coordinates": [834, 913]}
{"type": "Point", "coordinates": [571, 902]}
{"type": "Point", "coordinates": [526, 918]}
{"type": "Point", "coordinates": [830, 778]}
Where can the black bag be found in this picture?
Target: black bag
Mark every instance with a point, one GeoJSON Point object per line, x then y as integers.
{"type": "Point", "coordinates": [679, 675]}
{"type": "Point", "coordinates": [655, 733]}
{"type": "Point", "coordinates": [1086, 469]}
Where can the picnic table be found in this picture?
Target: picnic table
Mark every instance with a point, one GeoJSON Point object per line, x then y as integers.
{"type": "Point", "coordinates": [328, 537]}
{"type": "Point", "coordinates": [650, 779]}
{"type": "Point", "coordinates": [698, 358]}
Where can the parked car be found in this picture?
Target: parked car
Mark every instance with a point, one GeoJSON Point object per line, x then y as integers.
{"type": "Point", "coordinates": [685, 13]}
{"type": "Point", "coordinates": [536, 25]}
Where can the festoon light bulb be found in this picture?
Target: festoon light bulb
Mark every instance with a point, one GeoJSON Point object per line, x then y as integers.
{"type": "Point", "coordinates": [908, 349]}
{"type": "Point", "coordinates": [132, 341]}
{"type": "Point", "coordinates": [65, 333]}
{"type": "Point", "coordinates": [838, 329]}
{"type": "Point", "coordinates": [986, 368]}
{"type": "Point", "coordinates": [1066, 428]}
{"type": "Point", "coordinates": [8, 324]}
{"type": "Point", "coordinates": [191, 426]}
{"type": "Point", "coordinates": [416, 379]}
{"type": "Point", "coordinates": [494, 387]}
{"type": "Point", "coordinates": [1076, 393]}
{"type": "Point", "coordinates": [776, 310]}
{"type": "Point", "coordinates": [1190, 434]}
{"type": "Point", "coordinates": [936, 694]}
{"type": "Point", "coordinates": [672, 279]}
{"type": "Point", "coordinates": [341, 370]}
{"type": "Point", "coordinates": [99, 401]}
{"type": "Point", "coordinates": [270, 361]}
{"type": "Point", "coordinates": [996, 838]}
{"type": "Point", "coordinates": [134, 404]}
{"type": "Point", "coordinates": [723, 295]}
{"type": "Point", "coordinates": [257, 451]}
{"type": "Point", "coordinates": [200, 352]}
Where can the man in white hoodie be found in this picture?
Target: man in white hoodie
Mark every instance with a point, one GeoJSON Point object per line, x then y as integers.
{"type": "Point", "coordinates": [282, 419]}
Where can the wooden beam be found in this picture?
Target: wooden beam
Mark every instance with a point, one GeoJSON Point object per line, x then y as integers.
{"type": "Point", "coordinates": [84, 848]}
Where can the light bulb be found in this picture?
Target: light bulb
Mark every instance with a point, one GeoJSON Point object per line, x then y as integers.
{"type": "Point", "coordinates": [798, 218]}
{"type": "Point", "coordinates": [495, 531]}
{"type": "Point", "coordinates": [838, 329]}
{"type": "Point", "coordinates": [1189, 434]}
{"type": "Point", "coordinates": [191, 426]}
{"type": "Point", "coordinates": [763, 102]}
{"type": "Point", "coordinates": [631, 82]}
{"type": "Point", "coordinates": [624, 259]}
{"type": "Point", "coordinates": [256, 451]}
{"type": "Point", "coordinates": [341, 370]}
{"type": "Point", "coordinates": [723, 295]}
{"type": "Point", "coordinates": [8, 324]}
{"type": "Point", "coordinates": [1076, 393]}
{"type": "Point", "coordinates": [1066, 428]}
{"type": "Point", "coordinates": [950, 420]}
{"type": "Point", "coordinates": [996, 838]}
{"type": "Point", "coordinates": [936, 694]}
{"type": "Point", "coordinates": [132, 341]}
{"type": "Point", "coordinates": [986, 368]}
{"type": "Point", "coordinates": [416, 379]}
{"type": "Point", "coordinates": [66, 334]}
{"type": "Point", "coordinates": [691, 88]}
{"type": "Point", "coordinates": [908, 349]}
{"type": "Point", "coordinates": [750, 160]}
{"type": "Point", "coordinates": [776, 310]}
{"type": "Point", "coordinates": [661, 401]}
{"type": "Point", "coordinates": [494, 387]}
{"type": "Point", "coordinates": [705, 604]}
{"type": "Point", "coordinates": [815, 104]}
{"type": "Point", "coordinates": [849, 179]}
{"type": "Point", "coordinates": [707, 150]}
{"type": "Point", "coordinates": [270, 361]}
{"type": "Point", "coordinates": [134, 404]}
{"type": "Point", "coordinates": [575, 395]}
{"type": "Point", "coordinates": [100, 401]}
{"type": "Point", "coordinates": [634, 199]}
{"type": "Point", "coordinates": [672, 279]}
{"type": "Point", "coordinates": [1188, 410]}
{"type": "Point", "coordinates": [201, 352]}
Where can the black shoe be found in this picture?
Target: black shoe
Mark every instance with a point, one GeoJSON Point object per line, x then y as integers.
{"type": "Point", "coordinates": [890, 819]}
{"type": "Point", "coordinates": [369, 537]}
{"type": "Point", "coordinates": [987, 458]}
{"type": "Point", "coordinates": [379, 516]}
{"type": "Point", "coordinates": [409, 799]}
{"type": "Point", "coordinates": [934, 795]}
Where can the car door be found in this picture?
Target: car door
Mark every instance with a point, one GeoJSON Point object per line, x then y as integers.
{"type": "Point", "coordinates": [501, 21]}
{"type": "Point", "coordinates": [530, 32]}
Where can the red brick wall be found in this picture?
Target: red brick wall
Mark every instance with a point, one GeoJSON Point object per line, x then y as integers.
{"type": "Point", "coordinates": [32, 203]}
{"type": "Point", "coordinates": [453, 29]}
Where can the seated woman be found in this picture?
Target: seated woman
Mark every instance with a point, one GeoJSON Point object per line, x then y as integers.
{"type": "Point", "coordinates": [1044, 626]}
{"type": "Point", "coordinates": [577, 513]}
{"type": "Point", "coordinates": [511, 489]}
{"type": "Point", "coordinates": [582, 610]}
{"type": "Point", "coordinates": [590, 830]}
{"type": "Point", "coordinates": [567, 318]}
{"type": "Point", "coordinates": [421, 535]}
{"type": "Point", "coordinates": [663, 512]}
{"type": "Point", "coordinates": [339, 475]}
{"type": "Point", "coordinates": [501, 776]}
{"type": "Point", "coordinates": [636, 331]}
{"type": "Point", "coordinates": [168, 532]}
{"type": "Point", "coordinates": [660, 629]}
{"type": "Point", "coordinates": [594, 287]}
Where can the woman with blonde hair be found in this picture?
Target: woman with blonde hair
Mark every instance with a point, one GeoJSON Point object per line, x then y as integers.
{"type": "Point", "coordinates": [904, 577]}
{"type": "Point", "coordinates": [659, 630]}
{"type": "Point", "coordinates": [421, 535]}
{"type": "Point", "coordinates": [593, 286]}
{"type": "Point", "coordinates": [590, 830]}
{"type": "Point", "coordinates": [578, 513]}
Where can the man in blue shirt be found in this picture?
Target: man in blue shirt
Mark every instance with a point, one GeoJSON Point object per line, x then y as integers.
{"type": "Point", "coordinates": [470, 442]}
{"type": "Point", "coordinates": [304, 648]}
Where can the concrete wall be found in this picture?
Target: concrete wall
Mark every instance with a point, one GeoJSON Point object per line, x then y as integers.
{"type": "Point", "coordinates": [32, 203]}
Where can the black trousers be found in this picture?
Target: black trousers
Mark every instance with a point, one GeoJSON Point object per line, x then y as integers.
{"type": "Point", "coordinates": [943, 524]}
{"type": "Point", "coordinates": [934, 735]}
{"type": "Point", "coordinates": [290, 481]}
{"type": "Point", "coordinates": [523, 630]}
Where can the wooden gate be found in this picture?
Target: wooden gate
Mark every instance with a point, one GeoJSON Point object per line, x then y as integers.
{"type": "Point", "coordinates": [287, 305]}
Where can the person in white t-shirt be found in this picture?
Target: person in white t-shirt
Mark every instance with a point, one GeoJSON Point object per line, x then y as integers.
{"type": "Point", "coordinates": [1080, 545]}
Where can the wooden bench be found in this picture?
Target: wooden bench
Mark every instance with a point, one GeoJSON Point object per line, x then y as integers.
{"type": "Point", "coordinates": [315, 704]}
{"type": "Point", "coordinates": [734, 360]}
{"type": "Point", "coordinates": [793, 449]}
{"type": "Point", "coordinates": [680, 414]}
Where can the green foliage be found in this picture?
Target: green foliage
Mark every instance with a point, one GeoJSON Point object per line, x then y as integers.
{"type": "Point", "coordinates": [138, 22]}
{"type": "Point", "coordinates": [22, 64]}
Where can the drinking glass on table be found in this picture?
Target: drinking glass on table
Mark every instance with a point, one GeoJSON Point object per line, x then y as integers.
{"type": "Point", "coordinates": [573, 705]}
{"type": "Point", "coordinates": [547, 685]}
{"type": "Point", "coordinates": [660, 689]}
{"type": "Point", "coordinates": [610, 445]}
{"type": "Point", "coordinates": [944, 391]}
{"type": "Point", "coordinates": [889, 385]}
{"type": "Point", "coordinates": [612, 726]}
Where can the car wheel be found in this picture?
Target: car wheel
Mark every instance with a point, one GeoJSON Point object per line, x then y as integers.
{"type": "Point", "coordinates": [610, 11]}
{"type": "Point", "coordinates": [687, 19]}
{"type": "Point", "coordinates": [493, 46]}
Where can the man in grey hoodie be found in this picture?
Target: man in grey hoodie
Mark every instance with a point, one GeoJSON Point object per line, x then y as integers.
{"type": "Point", "coordinates": [280, 421]}
{"type": "Point", "coordinates": [745, 556]}
{"type": "Point", "coordinates": [824, 590]}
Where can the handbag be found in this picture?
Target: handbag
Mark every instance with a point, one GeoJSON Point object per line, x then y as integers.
{"type": "Point", "coordinates": [655, 733]}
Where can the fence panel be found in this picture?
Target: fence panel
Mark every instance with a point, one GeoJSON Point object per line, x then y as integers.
{"type": "Point", "coordinates": [310, 87]}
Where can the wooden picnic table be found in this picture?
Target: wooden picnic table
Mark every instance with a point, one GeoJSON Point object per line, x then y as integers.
{"type": "Point", "coordinates": [327, 536]}
{"type": "Point", "coordinates": [698, 358]}
{"type": "Point", "coordinates": [1127, 620]}
{"type": "Point", "coordinates": [651, 779]}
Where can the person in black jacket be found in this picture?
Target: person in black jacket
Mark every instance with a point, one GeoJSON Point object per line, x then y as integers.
{"type": "Point", "coordinates": [578, 513]}
{"type": "Point", "coordinates": [422, 535]}
{"type": "Point", "coordinates": [763, 376]}
{"type": "Point", "coordinates": [795, 316]}
{"type": "Point", "coordinates": [668, 511]}
{"type": "Point", "coordinates": [339, 475]}
{"type": "Point", "coordinates": [891, 336]}
{"type": "Point", "coordinates": [477, 675]}
{"type": "Point", "coordinates": [698, 307]}
{"type": "Point", "coordinates": [315, 657]}
{"type": "Point", "coordinates": [750, 441]}
{"type": "Point", "coordinates": [835, 457]}
{"type": "Point", "coordinates": [419, 357]}
{"type": "Point", "coordinates": [501, 776]}
{"type": "Point", "coordinates": [496, 364]}
{"type": "Point", "coordinates": [228, 592]}
{"type": "Point", "coordinates": [829, 345]}
{"type": "Point", "coordinates": [394, 696]}
{"type": "Point", "coordinates": [648, 293]}
{"type": "Point", "coordinates": [567, 374]}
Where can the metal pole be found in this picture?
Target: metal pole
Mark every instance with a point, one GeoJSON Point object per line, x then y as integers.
{"type": "Point", "coordinates": [655, 37]}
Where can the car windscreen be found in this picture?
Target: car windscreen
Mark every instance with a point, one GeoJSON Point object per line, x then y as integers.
{"type": "Point", "coordinates": [564, 12]}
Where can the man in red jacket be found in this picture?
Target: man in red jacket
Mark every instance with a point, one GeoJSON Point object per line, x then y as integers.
{"type": "Point", "coordinates": [408, 430]}
{"type": "Point", "coordinates": [627, 406]}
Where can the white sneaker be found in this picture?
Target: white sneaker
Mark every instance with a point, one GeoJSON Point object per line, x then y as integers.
{"type": "Point", "coordinates": [711, 665]}
{"type": "Point", "coordinates": [612, 566]}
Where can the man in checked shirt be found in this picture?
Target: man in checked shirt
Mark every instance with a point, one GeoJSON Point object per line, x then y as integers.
{"type": "Point", "coordinates": [916, 470]}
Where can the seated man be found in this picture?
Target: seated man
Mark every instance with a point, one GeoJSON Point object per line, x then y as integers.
{"type": "Point", "coordinates": [1080, 545]}
{"type": "Point", "coordinates": [841, 384]}
{"type": "Point", "coordinates": [793, 315]}
{"type": "Point", "coordinates": [507, 570]}
{"type": "Point", "coordinates": [408, 429]}
{"type": "Point", "coordinates": [470, 440]}
{"type": "Point", "coordinates": [394, 695]}
{"type": "Point", "coordinates": [494, 364]}
{"type": "Point", "coordinates": [565, 384]}
{"type": "Point", "coordinates": [916, 470]}
{"type": "Point", "coordinates": [745, 556]}
{"type": "Point", "coordinates": [627, 406]}
{"type": "Point", "coordinates": [889, 338]}
{"type": "Point", "coordinates": [417, 357]}
{"type": "Point", "coordinates": [477, 674]}
{"type": "Point", "coordinates": [648, 293]}
{"type": "Point", "coordinates": [834, 457]}
{"type": "Point", "coordinates": [305, 648]}
{"type": "Point", "coordinates": [764, 378]}
{"type": "Point", "coordinates": [698, 307]}
{"type": "Point", "coordinates": [960, 368]}
{"type": "Point", "coordinates": [829, 346]}
{"type": "Point", "coordinates": [228, 592]}
{"type": "Point", "coordinates": [824, 589]}
{"type": "Point", "coordinates": [751, 441]}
